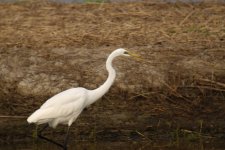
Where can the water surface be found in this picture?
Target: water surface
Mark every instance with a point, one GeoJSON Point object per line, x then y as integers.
{"type": "Point", "coordinates": [129, 145]}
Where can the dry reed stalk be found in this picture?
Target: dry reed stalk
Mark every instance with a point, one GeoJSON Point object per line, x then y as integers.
{"type": "Point", "coordinates": [213, 82]}
{"type": "Point", "coordinates": [186, 18]}
{"type": "Point", "coordinates": [13, 117]}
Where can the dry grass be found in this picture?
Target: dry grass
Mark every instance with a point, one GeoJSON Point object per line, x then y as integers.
{"type": "Point", "coordinates": [44, 25]}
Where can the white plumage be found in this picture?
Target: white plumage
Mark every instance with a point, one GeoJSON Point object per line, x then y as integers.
{"type": "Point", "coordinates": [66, 106]}
{"type": "Point", "coordinates": [62, 108]}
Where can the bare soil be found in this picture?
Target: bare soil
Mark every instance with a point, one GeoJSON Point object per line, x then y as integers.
{"type": "Point", "coordinates": [47, 47]}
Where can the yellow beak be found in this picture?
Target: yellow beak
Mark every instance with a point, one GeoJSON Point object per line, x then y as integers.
{"type": "Point", "coordinates": [138, 57]}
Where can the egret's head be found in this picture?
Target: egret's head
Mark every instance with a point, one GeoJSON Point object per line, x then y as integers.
{"type": "Point", "coordinates": [125, 52]}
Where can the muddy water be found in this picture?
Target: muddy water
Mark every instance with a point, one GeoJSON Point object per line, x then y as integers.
{"type": "Point", "coordinates": [85, 145]}
{"type": "Point", "coordinates": [18, 136]}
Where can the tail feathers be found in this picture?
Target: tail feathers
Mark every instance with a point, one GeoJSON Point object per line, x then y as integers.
{"type": "Point", "coordinates": [40, 116]}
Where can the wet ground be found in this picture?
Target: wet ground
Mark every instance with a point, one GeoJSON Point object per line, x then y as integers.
{"type": "Point", "coordinates": [216, 145]}
{"type": "Point", "coordinates": [18, 135]}
{"type": "Point", "coordinates": [129, 145]}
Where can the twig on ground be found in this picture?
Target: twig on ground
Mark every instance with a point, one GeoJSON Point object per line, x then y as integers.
{"type": "Point", "coordinates": [17, 117]}
{"type": "Point", "coordinates": [142, 135]}
{"type": "Point", "coordinates": [194, 132]}
{"type": "Point", "coordinates": [214, 82]}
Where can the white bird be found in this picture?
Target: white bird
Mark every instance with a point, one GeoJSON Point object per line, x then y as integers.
{"type": "Point", "coordinates": [65, 107]}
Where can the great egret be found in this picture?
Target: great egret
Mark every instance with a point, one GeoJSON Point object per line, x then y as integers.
{"type": "Point", "coordinates": [65, 107]}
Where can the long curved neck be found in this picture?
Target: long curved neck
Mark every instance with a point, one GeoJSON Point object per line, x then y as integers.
{"type": "Point", "coordinates": [94, 95]}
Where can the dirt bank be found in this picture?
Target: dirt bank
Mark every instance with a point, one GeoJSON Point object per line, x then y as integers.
{"type": "Point", "coordinates": [46, 48]}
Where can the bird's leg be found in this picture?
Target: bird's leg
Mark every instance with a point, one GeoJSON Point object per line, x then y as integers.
{"type": "Point", "coordinates": [40, 131]}
{"type": "Point", "coordinates": [47, 139]}
{"type": "Point", "coordinates": [66, 139]}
